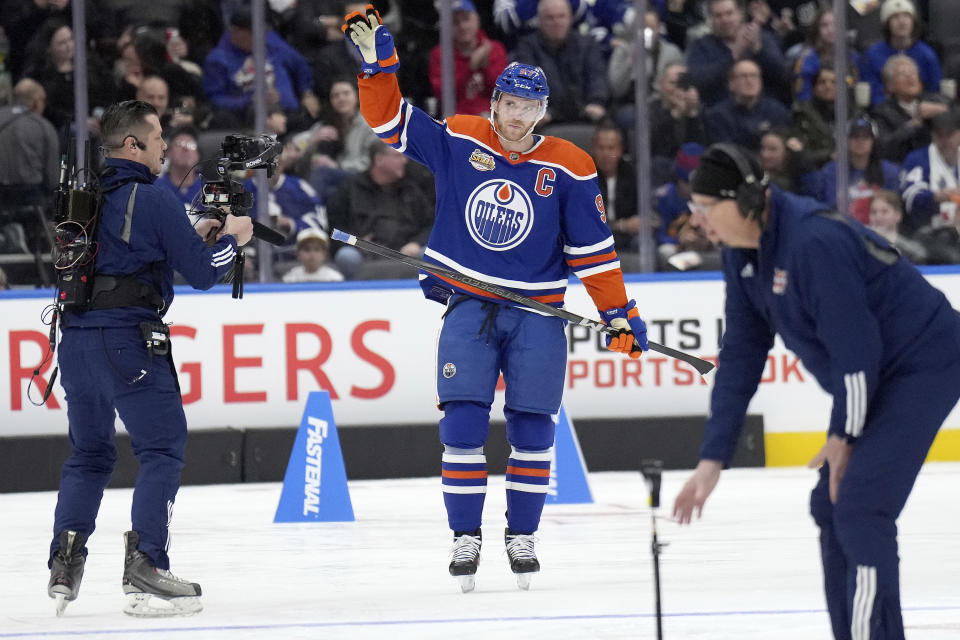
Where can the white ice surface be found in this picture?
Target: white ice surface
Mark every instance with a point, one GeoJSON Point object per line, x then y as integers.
{"type": "Point", "coordinates": [749, 569]}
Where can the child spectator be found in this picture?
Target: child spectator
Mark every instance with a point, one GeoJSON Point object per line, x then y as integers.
{"type": "Point", "coordinates": [886, 214]}
{"type": "Point", "coordinates": [313, 250]}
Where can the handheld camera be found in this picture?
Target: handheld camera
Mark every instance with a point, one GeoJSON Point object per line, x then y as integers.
{"type": "Point", "coordinates": [240, 153]}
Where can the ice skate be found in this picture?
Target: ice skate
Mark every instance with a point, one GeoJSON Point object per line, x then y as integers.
{"type": "Point", "coordinates": [66, 569]}
{"type": "Point", "coordinates": [152, 592]}
{"type": "Point", "coordinates": [523, 561]}
{"type": "Point", "coordinates": [466, 558]}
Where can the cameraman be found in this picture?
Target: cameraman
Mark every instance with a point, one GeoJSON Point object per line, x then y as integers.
{"type": "Point", "coordinates": [108, 368]}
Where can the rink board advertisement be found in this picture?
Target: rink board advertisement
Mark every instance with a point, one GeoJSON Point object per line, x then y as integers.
{"type": "Point", "coordinates": [252, 362]}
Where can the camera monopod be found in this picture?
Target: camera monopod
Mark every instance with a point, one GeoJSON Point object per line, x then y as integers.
{"type": "Point", "coordinates": [652, 471]}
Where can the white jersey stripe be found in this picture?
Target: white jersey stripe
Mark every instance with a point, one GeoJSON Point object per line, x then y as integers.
{"type": "Point", "coordinates": [513, 284]}
{"type": "Point", "coordinates": [592, 271]}
{"type": "Point", "coordinates": [404, 129]}
{"type": "Point", "coordinates": [592, 248]}
{"type": "Point", "coordinates": [565, 170]}
{"type": "Point", "coordinates": [393, 123]}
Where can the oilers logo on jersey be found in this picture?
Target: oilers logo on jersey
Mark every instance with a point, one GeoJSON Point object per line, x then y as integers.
{"type": "Point", "coordinates": [499, 215]}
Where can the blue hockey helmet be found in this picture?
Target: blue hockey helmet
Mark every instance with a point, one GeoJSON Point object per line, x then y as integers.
{"type": "Point", "coordinates": [523, 80]}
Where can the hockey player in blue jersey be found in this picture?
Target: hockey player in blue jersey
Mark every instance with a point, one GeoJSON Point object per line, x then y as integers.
{"type": "Point", "coordinates": [520, 211]}
{"type": "Point", "coordinates": [875, 335]}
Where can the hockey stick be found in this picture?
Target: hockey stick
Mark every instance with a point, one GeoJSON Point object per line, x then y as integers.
{"type": "Point", "coordinates": [703, 367]}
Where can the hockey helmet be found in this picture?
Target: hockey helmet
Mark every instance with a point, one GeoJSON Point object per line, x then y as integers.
{"type": "Point", "coordinates": [522, 80]}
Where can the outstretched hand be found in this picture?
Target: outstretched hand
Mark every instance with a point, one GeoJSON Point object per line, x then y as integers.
{"type": "Point", "coordinates": [696, 491]}
{"type": "Point", "coordinates": [372, 39]}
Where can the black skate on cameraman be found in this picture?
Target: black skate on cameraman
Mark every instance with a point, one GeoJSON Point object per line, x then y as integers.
{"type": "Point", "coordinates": [152, 592]}
{"type": "Point", "coordinates": [66, 569]}
{"type": "Point", "coordinates": [466, 558]}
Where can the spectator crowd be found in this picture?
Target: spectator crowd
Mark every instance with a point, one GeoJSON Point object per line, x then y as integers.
{"type": "Point", "coordinates": [758, 73]}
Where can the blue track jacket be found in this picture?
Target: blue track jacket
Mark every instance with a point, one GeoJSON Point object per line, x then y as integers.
{"type": "Point", "coordinates": [852, 309]}
{"type": "Point", "coordinates": [156, 231]}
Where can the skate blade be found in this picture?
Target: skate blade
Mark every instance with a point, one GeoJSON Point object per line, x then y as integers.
{"type": "Point", "coordinates": [523, 580]}
{"type": "Point", "coordinates": [145, 605]}
{"type": "Point", "coordinates": [467, 583]}
{"type": "Point", "coordinates": [61, 603]}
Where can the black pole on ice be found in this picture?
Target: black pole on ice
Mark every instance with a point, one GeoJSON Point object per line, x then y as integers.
{"type": "Point", "coordinates": [652, 471]}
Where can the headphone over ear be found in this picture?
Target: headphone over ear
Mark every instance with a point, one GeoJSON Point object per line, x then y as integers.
{"type": "Point", "coordinates": [751, 195]}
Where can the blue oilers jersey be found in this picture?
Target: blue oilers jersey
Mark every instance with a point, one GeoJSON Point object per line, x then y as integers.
{"type": "Point", "coordinates": [523, 221]}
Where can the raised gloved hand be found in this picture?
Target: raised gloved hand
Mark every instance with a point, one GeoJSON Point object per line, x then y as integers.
{"type": "Point", "coordinates": [632, 336]}
{"type": "Point", "coordinates": [373, 40]}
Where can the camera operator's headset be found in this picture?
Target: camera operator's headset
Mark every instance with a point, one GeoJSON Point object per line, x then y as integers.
{"type": "Point", "coordinates": [751, 193]}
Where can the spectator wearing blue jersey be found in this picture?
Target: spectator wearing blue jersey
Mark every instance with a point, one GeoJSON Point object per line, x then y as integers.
{"type": "Point", "coordinates": [901, 36]}
{"type": "Point", "coordinates": [292, 203]}
{"type": "Point", "coordinates": [817, 52]}
{"type": "Point", "coordinates": [671, 199]}
{"type": "Point", "coordinates": [711, 56]}
{"type": "Point", "coordinates": [576, 71]}
{"type": "Point", "coordinates": [517, 18]}
{"type": "Point", "coordinates": [874, 333]}
{"type": "Point", "coordinates": [930, 182]}
{"type": "Point", "coordinates": [747, 112]}
{"type": "Point", "coordinates": [867, 172]}
{"type": "Point", "coordinates": [228, 76]}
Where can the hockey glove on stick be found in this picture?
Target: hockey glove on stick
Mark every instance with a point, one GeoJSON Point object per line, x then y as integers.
{"type": "Point", "coordinates": [373, 41]}
{"type": "Point", "coordinates": [632, 339]}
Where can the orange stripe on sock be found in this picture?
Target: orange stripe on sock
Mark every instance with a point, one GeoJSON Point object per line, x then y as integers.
{"type": "Point", "coordinates": [526, 471]}
{"type": "Point", "coordinates": [464, 475]}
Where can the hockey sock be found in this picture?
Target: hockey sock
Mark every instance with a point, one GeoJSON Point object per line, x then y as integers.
{"type": "Point", "coordinates": [464, 478]}
{"type": "Point", "coordinates": [528, 477]}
